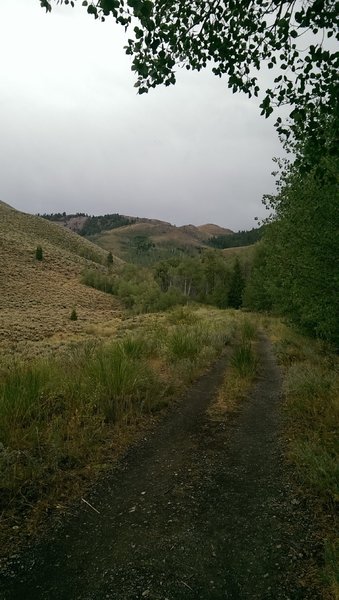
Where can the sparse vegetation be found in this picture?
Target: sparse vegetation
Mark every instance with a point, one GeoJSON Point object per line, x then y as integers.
{"type": "Point", "coordinates": [241, 373]}
{"type": "Point", "coordinates": [36, 302]}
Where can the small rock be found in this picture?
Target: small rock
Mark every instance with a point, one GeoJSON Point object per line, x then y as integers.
{"type": "Point", "coordinates": [145, 594]}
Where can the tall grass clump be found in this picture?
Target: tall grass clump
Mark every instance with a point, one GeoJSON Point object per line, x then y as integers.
{"type": "Point", "coordinates": [244, 359]}
{"type": "Point", "coordinates": [123, 385]}
{"type": "Point", "coordinates": [136, 347]}
{"type": "Point", "coordinates": [248, 330]}
{"type": "Point", "coordinates": [182, 315]}
{"type": "Point", "coordinates": [22, 393]}
{"type": "Point", "coordinates": [185, 343]}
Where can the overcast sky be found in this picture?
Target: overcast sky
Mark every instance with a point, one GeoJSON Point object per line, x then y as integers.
{"type": "Point", "coordinates": [75, 137]}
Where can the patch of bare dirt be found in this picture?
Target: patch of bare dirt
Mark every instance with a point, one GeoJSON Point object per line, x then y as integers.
{"type": "Point", "coordinates": [198, 510]}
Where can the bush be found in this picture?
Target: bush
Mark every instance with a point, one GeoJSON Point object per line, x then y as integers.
{"type": "Point", "coordinates": [74, 316]}
{"type": "Point", "coordinates": [99, 281]}
{"type": "Point", "coordinates": [39, 253]}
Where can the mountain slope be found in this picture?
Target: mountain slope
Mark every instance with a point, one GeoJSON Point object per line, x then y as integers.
{"type": "Point", "coordinates": [37, 297]}
{"type": "Point", "coordinates": [210, 229]}
{"type": "Point", "coordinates": [114, 233]}
{"type": "Point", "coordinates": [163, 239]}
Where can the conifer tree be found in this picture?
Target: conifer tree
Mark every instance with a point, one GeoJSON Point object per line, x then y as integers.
{"type": "Point", "coordinates": [39, 253]}
{"type": "Point", "coordinates": [237, 285]}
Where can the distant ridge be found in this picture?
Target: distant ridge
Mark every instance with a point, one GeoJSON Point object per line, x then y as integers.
{"type": "Point", "coordinates": [210, 229]}
{"type": "Point", "coordinates": [121, 233]}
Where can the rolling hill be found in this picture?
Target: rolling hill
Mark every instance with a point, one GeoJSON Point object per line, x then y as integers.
{"type": "Point", "coordinates": [126, 235]}
{"type": "Point", "coordinates": [37, 297]}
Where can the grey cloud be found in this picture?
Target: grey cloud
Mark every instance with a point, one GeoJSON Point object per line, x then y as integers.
{"type": "Point", "coordinates": [76, 137]}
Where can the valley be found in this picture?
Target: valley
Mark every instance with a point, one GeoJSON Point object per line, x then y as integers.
{"type": "Point", "coordinates": [135, 395]}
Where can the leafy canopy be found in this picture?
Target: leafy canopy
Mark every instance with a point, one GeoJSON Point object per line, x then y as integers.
{"type": "Point", "coordinates": [238, 37]}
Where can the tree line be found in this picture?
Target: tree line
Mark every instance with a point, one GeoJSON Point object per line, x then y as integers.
{"type": "Point", "coordinates": [234, 240]}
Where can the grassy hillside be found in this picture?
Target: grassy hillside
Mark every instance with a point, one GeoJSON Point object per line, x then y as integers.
{"type": "Point", "coordinates": [210, 229]}
{"type": "Point", "coordinates": [148, 241]}
{"type": "Point", "coordinates": [37, 297]}
{"type": "Point", "coordinates": [140, 240]}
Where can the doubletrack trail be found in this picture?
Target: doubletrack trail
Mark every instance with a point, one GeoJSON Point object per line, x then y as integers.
{"type": "Point", "coordinates": [200, 509]}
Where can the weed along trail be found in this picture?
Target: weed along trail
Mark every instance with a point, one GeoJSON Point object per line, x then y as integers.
{"type": "Point", "coordinates": [200, 509]}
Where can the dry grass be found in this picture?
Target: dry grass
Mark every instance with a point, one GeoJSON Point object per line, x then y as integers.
{"type": "Point", "coordinates": [37, 297]}
{"type": "Point", "coordinates": [210, 229]}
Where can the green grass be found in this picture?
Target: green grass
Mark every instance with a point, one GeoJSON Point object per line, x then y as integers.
{"type": "Point", "coordinates": [248, 330]}
{"type": "Point", "coordinates": [244, 359]}
{"type": "Point", "coordinates": [59, 416]}
{"type": "Point", "coordinates": [185, 343]}
{"type": "Point", "coordinates": [182, 315]}
{"type": "Point", "coordinates": [311, 393]}
{"type": "Point", "coordinates": [55, 413]}
{"type": "Point", "coordinates": [312, 410]}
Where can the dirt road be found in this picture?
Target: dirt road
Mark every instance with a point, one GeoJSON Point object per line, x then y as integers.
{"type": "Point", "coordinates": [199, 509]}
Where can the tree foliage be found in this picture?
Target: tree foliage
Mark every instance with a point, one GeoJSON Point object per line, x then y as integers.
{"type": "Point", "coordinates": [238, 37]}
{"type": "Point", "coordinates": [96, 224]}
{"type": "Point", "coordinates": [296, 267]}
{"type": "Point", "coordinates": [240, 238]}
{"type": "Point", "coordinates": [237, 285]}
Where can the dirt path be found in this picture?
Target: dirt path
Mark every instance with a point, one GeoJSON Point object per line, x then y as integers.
{"type": "Point", "coordinates": [198, 510]}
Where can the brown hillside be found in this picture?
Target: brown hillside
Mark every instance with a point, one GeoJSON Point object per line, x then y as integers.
{"type": "Point", "coordinates": [162, 234]}
{"type": "Point", "coordinates": [210, 229]}
{"type": "Point", "coordinates": [37, 297]}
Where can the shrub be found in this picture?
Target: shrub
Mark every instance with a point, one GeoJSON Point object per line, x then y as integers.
{"type": "Point", "coordinates": [74, 316]}
{"type": "Point", "coordinates": [39, 253]}
{"type": "Point", "coordinates": [99, 281]}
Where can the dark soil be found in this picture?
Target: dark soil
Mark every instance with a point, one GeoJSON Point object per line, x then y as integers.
{"type": "Point", "coordinates": [199, 509]}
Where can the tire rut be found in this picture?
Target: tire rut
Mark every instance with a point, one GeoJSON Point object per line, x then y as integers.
{"type": "Point", "coordinates": [198, 510]}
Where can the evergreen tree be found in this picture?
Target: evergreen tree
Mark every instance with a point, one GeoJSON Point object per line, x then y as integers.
{"type": "Point", "coordinates": [237, 284]}
{"type": "Point", "coordinates": [39, 253]}
{"type": "Point", "coordinates": [74, 316]}
{"type": "Point", "coordinates": [109, 259]}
